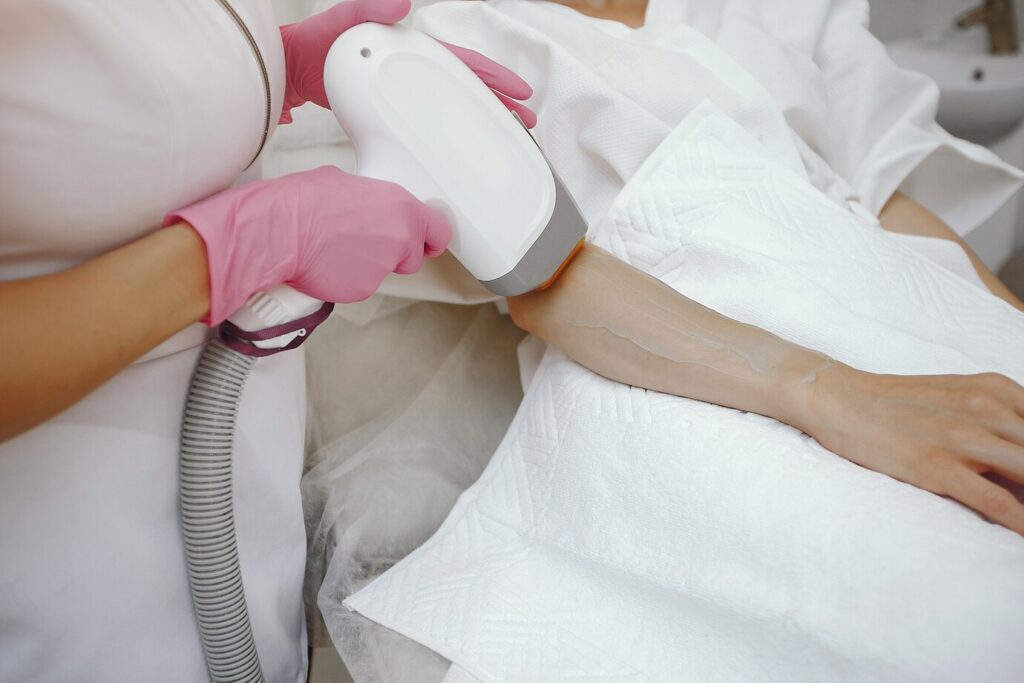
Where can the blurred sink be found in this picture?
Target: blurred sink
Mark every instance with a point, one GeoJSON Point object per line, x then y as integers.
{"type": "Point", "coordinates": [981, 96]}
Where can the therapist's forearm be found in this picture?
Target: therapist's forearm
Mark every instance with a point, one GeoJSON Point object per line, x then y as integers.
{"type": "Point", "coordinates": [630, 327]}
{"type": "Point", "coordinates": [902, 214]}
{"type": "Point", "coordinates": [66, 334]}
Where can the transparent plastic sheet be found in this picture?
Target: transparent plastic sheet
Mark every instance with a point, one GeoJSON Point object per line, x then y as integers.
{"type": "Point", "coordinates": [375, 654]}
{"type": "Point", "coordinates": [408, 401]}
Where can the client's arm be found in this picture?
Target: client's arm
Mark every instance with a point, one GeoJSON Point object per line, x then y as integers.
{"type": "Point", "coordinates": [903, 214]}
{"type": "Point", "coordinates": [937, 432]}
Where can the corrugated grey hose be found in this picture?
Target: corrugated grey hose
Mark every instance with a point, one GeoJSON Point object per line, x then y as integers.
{"type": "Point", "coordinates": [207, 515]}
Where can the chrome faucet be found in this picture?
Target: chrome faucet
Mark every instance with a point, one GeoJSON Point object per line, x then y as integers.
{"type": "Point", "coordinates": [998, 18]}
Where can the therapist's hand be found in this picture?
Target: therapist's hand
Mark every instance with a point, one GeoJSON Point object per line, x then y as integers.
{"type": "Point", "coordinates": [307, 42]}
{"type": "Point", "coordinates": [940, 433]}
{"type": "Point", "coordinates": [329, 234]}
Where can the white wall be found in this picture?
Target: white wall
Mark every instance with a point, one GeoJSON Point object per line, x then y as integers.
{"type": "Point", "coordinates": [894, 19]}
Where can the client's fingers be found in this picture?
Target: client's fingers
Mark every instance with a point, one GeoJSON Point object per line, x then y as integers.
{"type": "Point", "coordinates": [1008, 390]}
{"type": "Point", "coordinates": [1010, 427]}
{"type": "Point", "coordinates": [525, 113]}
{"type": "Point", "coordinates": [494, 75]}
{"type": "Point", "coordinates": [991, 500]}
{"type": "Point", "coordinates": [1004, 457]}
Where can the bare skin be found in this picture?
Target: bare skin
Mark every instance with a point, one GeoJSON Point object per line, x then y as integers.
{"type": "Point", "coordinates": [66, 334]}
{"type": "Point", "coordinates": [940, 433]}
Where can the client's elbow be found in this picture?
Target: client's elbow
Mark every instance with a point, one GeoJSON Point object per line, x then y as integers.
{"type": "Point", "coordinates": [536, 310]}
{"type": "Point", "coordinates": [519, 309]}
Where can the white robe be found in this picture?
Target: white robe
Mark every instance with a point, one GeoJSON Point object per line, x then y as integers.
{"type": "Point", "coordinates": [111, 115]}
{"type": "Point", "coordinates": [871, 121]}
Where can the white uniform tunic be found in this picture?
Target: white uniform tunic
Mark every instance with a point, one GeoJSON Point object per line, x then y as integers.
{"type": "Point", "coordinates": [111, 114]}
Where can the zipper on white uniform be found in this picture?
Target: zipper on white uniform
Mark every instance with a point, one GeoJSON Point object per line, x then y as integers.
{"type": "Point", "coordinates": [263, 72]}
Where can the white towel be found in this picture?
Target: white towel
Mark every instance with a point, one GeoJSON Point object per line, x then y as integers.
{"type": "Point", "coordinates": [626, 535]}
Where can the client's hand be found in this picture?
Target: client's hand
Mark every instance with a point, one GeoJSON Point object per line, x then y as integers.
{"type": "Point", "coordinates": [941, 433]}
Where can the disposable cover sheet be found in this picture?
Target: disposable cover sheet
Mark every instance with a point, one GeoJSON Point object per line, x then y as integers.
{"type": "Point", "coordinates": [620, 534]}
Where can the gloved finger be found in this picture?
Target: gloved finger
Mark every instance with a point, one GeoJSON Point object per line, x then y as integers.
{"type": "Point", "coordinates": [438, 232]}
{"type": "Point", "coordinates": [343, 16]}
{"type": "Point", "coordinates": [411, 263]}
{"type": "Point", "coordinates": [525, 113]}
{"type": "Point", "coordinates": [494, 75]}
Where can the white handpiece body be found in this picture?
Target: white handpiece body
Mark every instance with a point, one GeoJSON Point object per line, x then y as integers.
{"type": "Point", "coordinates": [419, 117]}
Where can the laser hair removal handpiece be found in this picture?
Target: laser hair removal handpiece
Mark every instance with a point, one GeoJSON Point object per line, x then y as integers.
{"type": "Point", "coordinates": [417, 116]}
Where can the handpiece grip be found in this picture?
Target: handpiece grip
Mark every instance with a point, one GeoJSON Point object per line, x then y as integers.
{"type": "Point", "coordinates": [272, 309]}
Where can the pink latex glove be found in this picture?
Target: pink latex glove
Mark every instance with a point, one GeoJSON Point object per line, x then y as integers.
{"type": "Point", "coordinates": [307, 42]}
{"type": "Point", "coordinates": [329, 234]}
